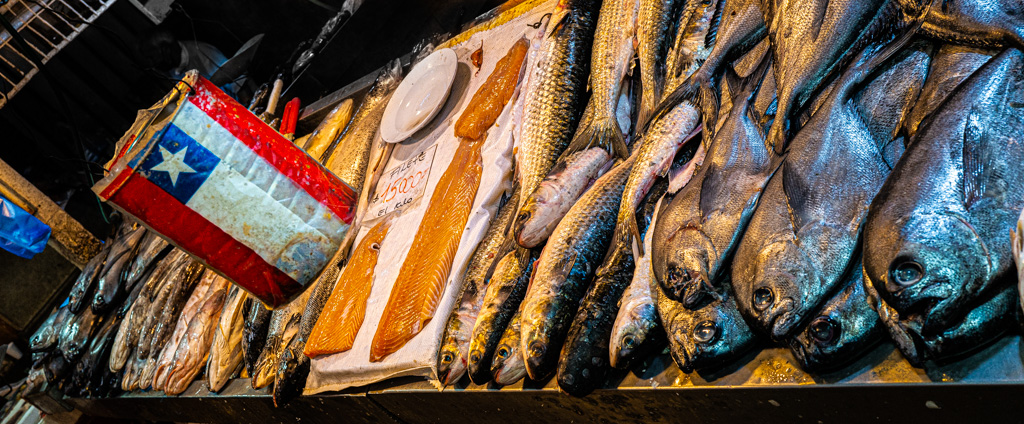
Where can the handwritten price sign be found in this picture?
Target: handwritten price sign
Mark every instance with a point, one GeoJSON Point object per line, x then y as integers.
{"type": "Point", "coordinates": [402, 185]}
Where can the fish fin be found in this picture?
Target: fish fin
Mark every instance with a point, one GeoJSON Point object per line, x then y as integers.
{"type": "Point", "coordinates": [716, 20]}
{"type": "Point", "coordinates": [604, 133]}
{"type": "Point", "coordinates": [975, 170]}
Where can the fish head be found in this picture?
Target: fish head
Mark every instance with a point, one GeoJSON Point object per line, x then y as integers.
{"type": "Point", "coordinates": [779, 298]}
{"type": "Point", "coordinates": [707, 337]}
{"type": "Point", "coordinates": [844, 328]}
{"type": "Point", "coordinates": [540, 351]}
{"type": "Point", "coordinates": [508, 366]}
{"type": "Point", "coordinates": [537, 218]}
{"type": "Point", "coordinates": [451, 365]}
{"type": "Point", "coordinates": [683, 267]}
{"type": "Point", "coordinates": [925, 264]}
{"type": "Point", "coordinates": [630, 333]}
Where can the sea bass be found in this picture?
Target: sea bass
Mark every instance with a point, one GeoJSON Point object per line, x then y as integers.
{"type": "Point", "coordinates": [802, 237]}
{"type": "Point", "coordinates": [702, 225]}
{"type": "Point", "coordinates": [343, 314]}
{"type": "Point", "coordinates": [556, 92]}
{"type": "Point", "coordinates": [505, 293]}
{"type": "Point", "coordinates": [843, 330]}
{"type": "Point", "coordinates": [348, 155]}
{"type": "Point", "coordinates": [565, 269]}
{"type": "Point", "coordinates": [454, 352]}
{"type": "Point", "coordinates": [935, 236]}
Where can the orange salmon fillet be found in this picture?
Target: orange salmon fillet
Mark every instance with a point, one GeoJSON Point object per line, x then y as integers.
{"type": "Point", "coordinates": [343, 314]}
{"type": "Point", "coordinates": [486, 105]}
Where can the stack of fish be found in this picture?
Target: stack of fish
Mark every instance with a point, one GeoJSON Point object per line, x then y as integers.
{"type": "Point", "coordinates": [845, 184]}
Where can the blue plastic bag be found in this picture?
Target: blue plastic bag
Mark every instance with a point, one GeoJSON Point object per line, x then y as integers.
{"type": "Point", "coordinates": [21, 233]}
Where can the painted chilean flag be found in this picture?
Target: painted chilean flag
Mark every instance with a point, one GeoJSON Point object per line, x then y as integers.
{"type": "Point", "coordinates": [228, 189]}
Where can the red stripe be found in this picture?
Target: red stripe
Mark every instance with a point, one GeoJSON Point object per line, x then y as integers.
{"type": "Point", "coordinates": [115, 184]}
{"type": "Point", "coordinates": [283, 155]}
{"type": "Point", "coordinates": [193, 233]}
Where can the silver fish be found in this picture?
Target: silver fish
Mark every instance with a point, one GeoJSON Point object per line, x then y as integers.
{"type": "Point", "coordinates": [654, 24]}
{"type": "Point", "coordinates": [508, 365]}
{"type": "Point", "coordinates": [566, 182]}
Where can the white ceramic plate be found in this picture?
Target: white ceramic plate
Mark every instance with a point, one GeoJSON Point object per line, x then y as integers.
{"type": "Point", "coordinates": [420, 96]}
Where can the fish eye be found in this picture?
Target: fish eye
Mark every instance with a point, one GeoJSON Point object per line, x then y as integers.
{"type": "Point", "coordinates": [474, 356]}
{"type": "Point", "coordinates": [629, 342]}
{"type": "Point", "coordinates": [447, 358]}
{"type": "Point", "coordinates": [502, 352]}
{"type": "Point", "coordinates": [824, 330]}
{"type": "Point", "coordinates": [907, 273]}
{"type": "Point", "coordinates": [763, 298]}
{"type": "Point", "coordinates": [537, 349]}
{"type": "Point", "coordinates": [705, 332]}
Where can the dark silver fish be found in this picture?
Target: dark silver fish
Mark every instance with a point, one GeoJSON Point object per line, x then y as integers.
{"type": "Point", "coordinates": [151, 248]}
{"type": "Point", "coordinates": [950, 66]}
{"type": "Point", "coordinates": [807, 225]}
{"type": "Point", "coordinates": [986, 23]}
{"type": "Point", "coordinates": [504, 296]}
{"type": "Point", "coordinates": [85, 282]}
{"type": "Point", "coordinates": [75, 335]}
{"type": "Point", "coordinates": [936, 235]}
{"type": "Point", "coordinates": [810, 39]}
{"type": "Point", "coordinates": [254, 337]}
{"type": "Point", "coordinates": [583, 364]}
{"type": "Point", "coordinates": [843, 330]}
{"type": "Point", "coordinates": [572, 175]}
{"type": "Point", "coordinates": [46, 336]}
{"type": "Point", "coordinates": [508, 365]}
{"type": "Point", "coordinates": [110, 285]}
{"type": "Point", "coordinates": [565, 269]}
{"type": "Point", "coordinates": [698, 230]}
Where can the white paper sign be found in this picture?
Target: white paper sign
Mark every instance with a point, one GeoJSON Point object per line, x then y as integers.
{"type": "Point", "coordinates": [401, 186]}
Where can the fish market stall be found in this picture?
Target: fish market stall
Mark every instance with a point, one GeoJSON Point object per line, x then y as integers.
{"type": "Point", "coordinates": [618, 211]}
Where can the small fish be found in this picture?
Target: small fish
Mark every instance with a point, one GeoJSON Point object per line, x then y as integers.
{"type": "Point", "coordinates": [110, 285]}
{"type": "Point", "coordinates": [451, 358]}
{"type": "Point", "coordinates": [254, 335]}
{"type": "Point", "coordinates": [658, 148]}
{"type": "Point", "coordinates": [504, 295]}
{"type": "Point", "coordinates": [85, 282]}
{"type": "Point", "coordinates": [508, 365]}
{"type": "Point", "coordinates": [348, 155]}
{"type": "Point", "coordinates": [843, 330]}
{"type": "Point", "coordinates": [935, 236]}
{"type": "Point", "coordinates": [226, 348]}
{"type": "Point", "coordinates": [329, 130]}
{"type": "Point", "coordinates": [565, 269]}
{"type": "Point", "coordinates": [343, 314]}
{"type": "Point", "coordinates": [193, 348]}
{"type": "Point", "coordinates": [566, 182]}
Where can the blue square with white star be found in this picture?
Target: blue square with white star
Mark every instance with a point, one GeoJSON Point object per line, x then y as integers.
{"type": "Point", "coordinates": [179, 165]}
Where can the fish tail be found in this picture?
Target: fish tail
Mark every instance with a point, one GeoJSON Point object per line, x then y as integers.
{"type": "Point", "coordinates": [604, 133]}
{"type": "Point", "coordinates": [650, 91]}
{"type": "Point", "coordinates": [627, 231]}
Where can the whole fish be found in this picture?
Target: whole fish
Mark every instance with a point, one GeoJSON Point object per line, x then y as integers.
{"type": "Point", "coordinates": [193, 348]}
{"type": "Point", "coordinates": [583, 364]}
{"type": "Point", "coordinates": [226, 348]}
{"type": "Point", "coordinates": [425, 270]}
{"type": "Point", "coordinates": [93, 355]}
{"type": "Point", "coordinates": [981, 325]}
{"type": "Point", "coordinates": [803, 236]}
{"type": "Point", "coordinates": [110, 285]}
{"type": "Point", "coordinates": [127, 335]}
{"type": "Point", "coordinates": [740, 28]}
{"type": "Point", "coordinates": [165, 360]}
{"type": "Point", "coordinates": [654, 30]}
{"type": "Point", "coordinates": [658, 148]}
{"type": "Point", "coordinates": [565, 269]}
{"type": "Point", "coordinates": [709, 336]}
{"type": "Point", "coordinates": [508, 365]}
{"type": "Point", "coordinates": [504, 294]}
{"type": "Point", "coordinates": [284, 325]}
{"type": "Point", "coordinates": [345, 310]}
{"type": "Point", "coordinates": [693, 40]}
{"type": "Point", "coordinates": [75, 335]}
{"type": "Point", "coordinates": [810, 39]}
{"type": "Point", "coordinates": [637, 330]}
{"type": "Point", "coordinates": [934, 235]}
{"type": "Point", "coordinates": [85, 282]}
{"type": "Point", "coordinates": [46, 336]}
{"type": "Point", "coordinates": [151, 247]}
{"type": "Point", "coordinates": [571, 176]}
{"type": "Point", "coordinates": [328, 130]}
{"type": "Point", "coordinates": [556, 92]}
{"type": "Point", "coordinates": [349, 155]}
{"type": "Point", "coordinates": [254, 334]}
{"type": "Point", "coordinates": [698, 231]}
{"type": "Point", "coordinates": [184, 283]}
{"type": "Point", "coordinates": [843, 330]}
{"type": "Point", "coordinates": [611, 58]}
{"type": "Point", "coordinates": [451, 358]}
{"type": "Point", "coordinates": [950, 66]}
